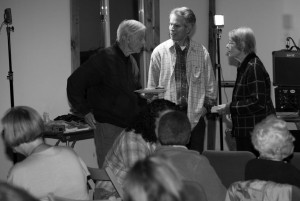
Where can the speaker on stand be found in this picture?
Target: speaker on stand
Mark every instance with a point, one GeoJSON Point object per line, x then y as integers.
{"type": "Point", "coordinates": [286, 79]}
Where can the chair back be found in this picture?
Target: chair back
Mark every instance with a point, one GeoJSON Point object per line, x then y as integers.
{"type": "Point", "coordinates": [295, 160]}
{"type": "Point", "coordinates": [229, 165]}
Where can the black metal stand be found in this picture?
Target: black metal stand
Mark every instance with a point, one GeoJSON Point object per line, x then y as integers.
{"type": "Point", "coordinates": [10, 72]}
{"type": "Point", "coordinates": [15, 157]}
{"type": "Point", "coordinates": [218, 66]}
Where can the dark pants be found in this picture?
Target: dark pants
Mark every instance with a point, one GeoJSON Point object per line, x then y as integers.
{"type": "Point", "coordinates": [197, 137]}
{"type": "Point", "coordinates": [104, 137]}
{"type": "Point", "coordinates": [245, 144]}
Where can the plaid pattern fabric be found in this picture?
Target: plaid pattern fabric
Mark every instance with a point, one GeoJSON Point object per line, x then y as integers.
{"type": "Point", "coordinates": [202, 90]}
{"type": "Point", "coordinates": [180, 75]}
{"type": "Point", "coordinates": [251, 97]}
{"type": "Point", "coordinates": [128, 148]}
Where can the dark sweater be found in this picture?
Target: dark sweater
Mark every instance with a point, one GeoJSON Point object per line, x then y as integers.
{"type": "Point", "coordinates": [269, 170]}
{"type": "Point", "coordinates": [104, 85]}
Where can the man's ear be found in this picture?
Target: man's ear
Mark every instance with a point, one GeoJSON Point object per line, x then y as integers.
{"type": "Point", "coordinates": [189, 28]}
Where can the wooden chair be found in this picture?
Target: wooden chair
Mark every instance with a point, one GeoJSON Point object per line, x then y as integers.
{"type": "Point", "coordinates": [106, 174]}
{"type": "Point", "coordinates": [229, 165]}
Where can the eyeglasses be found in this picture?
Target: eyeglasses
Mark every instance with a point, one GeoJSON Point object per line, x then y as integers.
{"type": "Point", "coordinates": [231, 42]}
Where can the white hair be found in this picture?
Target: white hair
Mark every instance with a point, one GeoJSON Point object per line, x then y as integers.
{"type": "Point", "coordinates": [128, 28]}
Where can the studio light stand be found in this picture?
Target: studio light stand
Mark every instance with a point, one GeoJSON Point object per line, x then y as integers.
{"type": "Point", "coordinates": [219, 23]}
{"type": "Point", "coordinates": [8, 22]}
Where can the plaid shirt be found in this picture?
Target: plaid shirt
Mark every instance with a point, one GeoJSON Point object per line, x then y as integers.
{"type": "Point", "coordinates": [128, 148]}
{"type": "Point", "coordinates": [251, 97]}
{"type": "Point", "coordinates": [200, 76]}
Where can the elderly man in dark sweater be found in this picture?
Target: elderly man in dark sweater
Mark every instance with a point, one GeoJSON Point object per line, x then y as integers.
{"type": "Point", "coordinates": [102, 89]}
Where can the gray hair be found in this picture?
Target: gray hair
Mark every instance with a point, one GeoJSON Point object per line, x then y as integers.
{"type": "Point", "coordinates": [272, 138]}
{"type": "Point", "coordinates": [244, 39]}
{"type": "Point", "coordinates": [186, 13]}
{"type": "Point", "coordinates": [128, 28]}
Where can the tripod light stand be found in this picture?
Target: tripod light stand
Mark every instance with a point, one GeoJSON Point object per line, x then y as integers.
{"type": "Point", "coordinates": [219, 23]}
{"type": "Point", "coordinates": [8, 21]}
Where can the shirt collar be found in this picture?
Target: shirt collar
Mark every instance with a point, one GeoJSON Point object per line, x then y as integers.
{"type": "Point", "coordinates": [170, 44]}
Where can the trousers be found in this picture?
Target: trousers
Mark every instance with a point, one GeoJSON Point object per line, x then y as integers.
{"type": "Point", "coordinates": [104, 137]}
{"type": "Point", "coordinates": [197, 136]}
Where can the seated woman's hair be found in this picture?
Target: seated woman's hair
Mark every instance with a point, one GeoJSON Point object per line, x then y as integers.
{"type": "Point", "coordinates": [153, 179]}
{"type": "Point", "coordinates": [272, 138]}
{"type": "Point", "coordinates": [21, 124]}
{"type": "Point", "coordinates": [9, 192]}
{"type": "Point", "coordinates": [174, 128]}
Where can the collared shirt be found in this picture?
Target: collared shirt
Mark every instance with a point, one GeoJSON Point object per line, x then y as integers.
{"type": "Point", "coordinates": [128, 148]}
{"type": "Point", "coordinates": [199, 72]}
{"type": "Point", "coordinates": [180, 75]}
{"type": "Point", "coordinates": [251, 97]}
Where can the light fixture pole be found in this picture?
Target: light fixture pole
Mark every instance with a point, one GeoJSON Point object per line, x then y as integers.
{"type": "Point", "coordinates": [219, 23]}
{"type": "Point", "coordinates": [10, 76]}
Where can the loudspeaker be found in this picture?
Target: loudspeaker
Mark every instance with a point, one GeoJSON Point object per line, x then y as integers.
{"type": "Point", "coordinates": [286, 68]}
{"type": "Point", "coordinates": [287, 99]}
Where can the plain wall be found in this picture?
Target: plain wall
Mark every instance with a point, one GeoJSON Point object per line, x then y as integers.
{"type": "Point", "coordinates": [41, 62]}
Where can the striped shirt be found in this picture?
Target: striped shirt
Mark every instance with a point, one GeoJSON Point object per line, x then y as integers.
{"type": "Point", "coordinates": [128, 148]}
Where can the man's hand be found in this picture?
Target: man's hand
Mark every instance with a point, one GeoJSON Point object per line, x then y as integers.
{"type": "Point", "coordinates": [90, 120]}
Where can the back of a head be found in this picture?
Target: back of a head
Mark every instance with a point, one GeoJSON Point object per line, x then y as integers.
{"type": "Point", "coordinates": [145, 121]}
{"type": "Point", "coordinates": [272, 138]}
{"type": "Point", "coordinates": [153, 179]}
{"type": "Point", "coordinates": [21, 124]}
{"type": "Point", "coordinates": [174, 128]}
{"type": "Point", "coordinates": [9, 192]}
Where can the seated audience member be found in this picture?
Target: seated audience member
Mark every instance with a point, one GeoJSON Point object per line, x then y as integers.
{"type": "Point", "coordinates": [272, 139]}
{"type": "Point", "coordinates": [9, 192]}
{"type": "Point", "coordinates": [153, 179]}
{"type": "Point", "coordinates": [174, 131]}
{"type": "Point", "coordinates": [135, 142]}
{"type": "Point", "coordinates": [46, 169]}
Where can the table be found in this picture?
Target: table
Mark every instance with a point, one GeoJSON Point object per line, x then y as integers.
{"type": "Point", "coordinates": [70, 137]}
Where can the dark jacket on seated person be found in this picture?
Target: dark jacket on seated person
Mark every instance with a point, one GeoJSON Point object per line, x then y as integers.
{"type": "Point", "coordinates": [174, 131]}
{"type": "Point", "coordinates": [269, 170]}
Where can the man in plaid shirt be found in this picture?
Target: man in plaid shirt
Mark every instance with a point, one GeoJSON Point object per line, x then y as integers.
{"type": "Point", "coordinates": [183, 68]}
